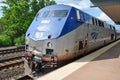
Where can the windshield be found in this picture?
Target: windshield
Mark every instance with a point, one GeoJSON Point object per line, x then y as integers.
{"type": "Point", "coordinates": [54, 13]}
{"type": "Point", "coordinates": [43, 14]}
{"type": "Point", "coordinates": [59, 13]}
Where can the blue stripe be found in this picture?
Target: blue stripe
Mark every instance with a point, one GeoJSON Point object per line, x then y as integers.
{"type": "Point", "coordinates": [72, 23]}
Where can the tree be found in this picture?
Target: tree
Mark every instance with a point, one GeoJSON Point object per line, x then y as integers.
{"type": "Point", "coordinates": [18, 15]}
{"type": "Point", "coordinates": [1, 28]}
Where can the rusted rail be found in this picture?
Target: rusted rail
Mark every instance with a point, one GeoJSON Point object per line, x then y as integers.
{"type": "Point", "coordinates": [7, 50]}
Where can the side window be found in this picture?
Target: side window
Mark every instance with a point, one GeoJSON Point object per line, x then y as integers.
{"type": "Point", "coordinates": [93, 21]}
{"type": "Point", "coordinates": [96, 21]}
{"type": "Point", "coordinates": [78, 15]}
{"type": "Point", "coordinates": [113, 28]}
{"type": "Point", "coordinates": [110, 27]}
{"type": "Point", "coordinates": [103, 24]}
{"type": "Point", "coordinates": [100, 23]}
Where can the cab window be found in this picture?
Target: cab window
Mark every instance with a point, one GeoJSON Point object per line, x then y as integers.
{"type": "Point", "coordinates": [43, 14]}
{"type": "Point", "coordinates": [59, 13]}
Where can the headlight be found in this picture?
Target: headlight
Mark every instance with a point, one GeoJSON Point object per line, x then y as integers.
{"type": "Point", "coordinates": [49, 44]}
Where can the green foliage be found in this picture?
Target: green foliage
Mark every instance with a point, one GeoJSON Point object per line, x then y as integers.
{"type": "Point", "coordinates": [18, 15]}
{"type": "Point", "coordinates": [1, 28]}
{"type": "Point", "coordinates": [5, 40]}
{"type": "Point", "coordinates": [20, 40]}
{"type": "Point", "coordinates": [51, 2]}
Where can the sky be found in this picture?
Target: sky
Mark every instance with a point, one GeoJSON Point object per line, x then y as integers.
{"type": "Point", "coordinates": [84, 5]}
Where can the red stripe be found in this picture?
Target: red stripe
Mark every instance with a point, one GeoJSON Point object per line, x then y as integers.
{"type": "Point", "coordinates": [46, 59]}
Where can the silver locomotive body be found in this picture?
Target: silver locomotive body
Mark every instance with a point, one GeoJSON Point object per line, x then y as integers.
{"type": "Point", "coordinates": [54, 39]}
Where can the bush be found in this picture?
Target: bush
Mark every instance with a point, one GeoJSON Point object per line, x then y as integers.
{"type": "Point", "coordinates": [5, 41]}
{"type": "Point", "coordinates": [20, 40]}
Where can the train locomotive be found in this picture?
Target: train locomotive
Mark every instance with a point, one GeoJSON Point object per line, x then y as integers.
{"type": "Point", "coordinates": [61, 33]}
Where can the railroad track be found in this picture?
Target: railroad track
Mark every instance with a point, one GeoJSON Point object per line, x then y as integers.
{"type": "Point", "coordinates": [8, 50]}
{"type": "Point", "coordinates": [11, 63]}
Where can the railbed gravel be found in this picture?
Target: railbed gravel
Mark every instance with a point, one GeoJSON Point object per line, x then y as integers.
{"type": "Point", "coordinates": [12, 74]}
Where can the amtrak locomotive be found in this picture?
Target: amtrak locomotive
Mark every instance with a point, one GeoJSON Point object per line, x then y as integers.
{"type": "Point", "coordinates": [61, 33]}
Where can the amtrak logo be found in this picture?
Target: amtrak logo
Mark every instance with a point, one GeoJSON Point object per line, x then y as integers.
{"type": "Point", "coordinates": [94, 35]}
